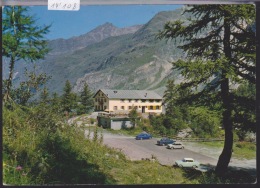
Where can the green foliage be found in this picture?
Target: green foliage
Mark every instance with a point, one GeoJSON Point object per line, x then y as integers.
{"type": "Point", "coordinates": [20, 33]}
{"type": "Point", "coordinates": [244, 115]}
{"type": "Point", "coordinates": [40, 149]}
{"type": "Point", "coordinates": [55, 103]}
{"type": "Point", "coordinates": [133, 115]}
{"type": "Point", "coordinates": [48, 150]}
{"type": "Point", "coordinates": [223, 54]}
{"type": "Point", "coordinates": [44, 96]}
{"type": "Point", "coordinates": [27, 89]}
{"type": "Point", "coordinates": [22, 39]}
{"type": "Point", "coordinates": [205, 123]}
{"type": "Point", "coordinates": [86, 100]}
{"type": "Point", "coordinates": [68, 100]}
{"type": "Point", "coordinates": [232, 176]}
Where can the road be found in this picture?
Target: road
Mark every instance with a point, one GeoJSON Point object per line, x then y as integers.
{"type": "Point", "coordinates": [142, 149]}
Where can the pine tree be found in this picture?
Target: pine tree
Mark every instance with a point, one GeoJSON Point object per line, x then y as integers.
{"type": "Point", "coordinates": [22, 40]}
{"type": "Point", "coordinates": [219, 43]}
{"type": "Point", "coordinates": [68, 98]}
{"type": "Point", "coordinates": [55, 102]}
{"type": "Point", "coordinates": [86, 100]}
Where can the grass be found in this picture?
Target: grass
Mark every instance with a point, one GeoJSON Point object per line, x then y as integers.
{"type": "Point", "coordinates": [241, 150]}
{"type": "Point", "coordinates": [245, 150]}
{"type": "Point", "coordinates": [65, 156]}
{"type": "Point", "coordinates": [147, 172]}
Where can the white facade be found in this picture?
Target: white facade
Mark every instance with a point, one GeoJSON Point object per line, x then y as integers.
{"type": "Point", "coordinates": [145, 105]}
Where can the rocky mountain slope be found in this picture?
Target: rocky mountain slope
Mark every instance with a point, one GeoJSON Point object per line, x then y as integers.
{"type": "Point", "coordinates": [61, 46]}
{"type": "Point", "coordinates": [113, 58]}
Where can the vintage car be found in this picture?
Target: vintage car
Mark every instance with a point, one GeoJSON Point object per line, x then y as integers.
{"type": "Point", "coordinates": [142, 136]}
{"type": "Point", "coordinates": [175, 145]}
{"type": "Point", "coordinates": [187, 162]}
{"type": "Point", "coordinates": [165, 141]}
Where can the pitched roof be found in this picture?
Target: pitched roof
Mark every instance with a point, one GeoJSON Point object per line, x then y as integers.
{"type": "Point", "coordinates": [130, 94]}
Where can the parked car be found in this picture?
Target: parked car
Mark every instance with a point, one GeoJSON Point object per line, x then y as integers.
{"type": "Point", "coordinates": [165, 141]}
{"type": "Point", "coordinates": [142, 136]}
{"type": "Point", "coordinates": [187, 162]}
{"type": "Point", "coordinates": [175, 145]}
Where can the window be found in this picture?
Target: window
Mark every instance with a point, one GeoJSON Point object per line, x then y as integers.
{"type": "Point", "coordinates": [122, 107]}
{"type": "Point", "coordinates": [96, 99]}
{"type": "Point", "coordinates": [136, 100]}
{"type": "Point", "coordinates": [151, 100]}
{"type": "Point", "coordinates": [158, 100]}
{"type": "Point", "coordinates": [157, 107]}
{"type": "Point", "coordinates": [105, 107]}
{"type": "Point", "coordinates": [143, 100]}
{"type": "Point", "coordinates": [105, 100]}
{"type": "Point", "coordinates": [129, 107]}
{"type": "Point", "coordinates": [122, 100]}
{"type": "Point", "coordinates": [130, 100]}
{"type": "Point", "coordinates": [115, 107]}
{"type": "Point", "coordinates": [151, 108]}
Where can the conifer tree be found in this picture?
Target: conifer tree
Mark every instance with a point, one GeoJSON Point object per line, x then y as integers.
{"type": "Point", "coordinates": [219, 43]}
{"type": "Point", "coordinates": [56, 102]}
{"type": "Point", "coordinates": [22, 40]}
{"type": "Point", "coordinates": [86, 99]}
{"type": "Point", "coordinates": [68, 98]}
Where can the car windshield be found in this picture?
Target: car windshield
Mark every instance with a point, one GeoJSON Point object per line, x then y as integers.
{"type": "Point", "coordinates": [187, 160]}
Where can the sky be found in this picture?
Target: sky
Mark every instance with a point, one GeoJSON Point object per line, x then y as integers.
{"type": "Point", "coordinates": [66, 24]}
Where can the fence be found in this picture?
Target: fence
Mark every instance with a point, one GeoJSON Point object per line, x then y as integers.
{"type": "Point", "coordinates": [198, 139]}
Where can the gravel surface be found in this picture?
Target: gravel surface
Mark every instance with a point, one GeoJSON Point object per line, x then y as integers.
{"type": "Point", "coordinates": [142, 149]}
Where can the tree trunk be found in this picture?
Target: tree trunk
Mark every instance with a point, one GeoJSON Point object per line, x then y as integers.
{"type": "Point", "coordinates": [7, 95]}
{"type": "Point", "coordinates": [226, 154]}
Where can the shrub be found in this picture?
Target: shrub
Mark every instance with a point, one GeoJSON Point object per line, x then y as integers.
{"type": "Point", "coordinates": [92, 121]}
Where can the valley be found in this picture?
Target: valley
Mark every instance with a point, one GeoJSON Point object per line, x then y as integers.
{"type": "Point", "coordinates": [109, 57]}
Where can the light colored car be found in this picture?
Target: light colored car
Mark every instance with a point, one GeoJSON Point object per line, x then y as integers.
{"type": "Point", "coordinates": [187, 162]}
{"type": "Point", "coordinates": [175, 145]}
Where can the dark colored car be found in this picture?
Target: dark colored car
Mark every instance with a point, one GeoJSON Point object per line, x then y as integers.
{"type": "Point", "coordinates": [165, 141]}
{"type": "Point", "coordinates": [143, 136]}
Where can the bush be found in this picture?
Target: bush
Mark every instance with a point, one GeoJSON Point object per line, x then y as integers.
{"type": "Point", "coordinates": [92, 121]}
{"type": "Point", "coordinates": [47, 152]}
{"type": "Point", "coordinates": [204, 122]}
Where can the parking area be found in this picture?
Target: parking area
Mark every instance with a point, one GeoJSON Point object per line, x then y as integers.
{"type": "Point", "coordinates": [142, 149]}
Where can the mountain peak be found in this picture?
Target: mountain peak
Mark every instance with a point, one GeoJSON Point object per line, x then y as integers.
{"type": "Point", "coordinates": [101, 32]}
{"type": "Point", "coordinates": [105, 25]}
